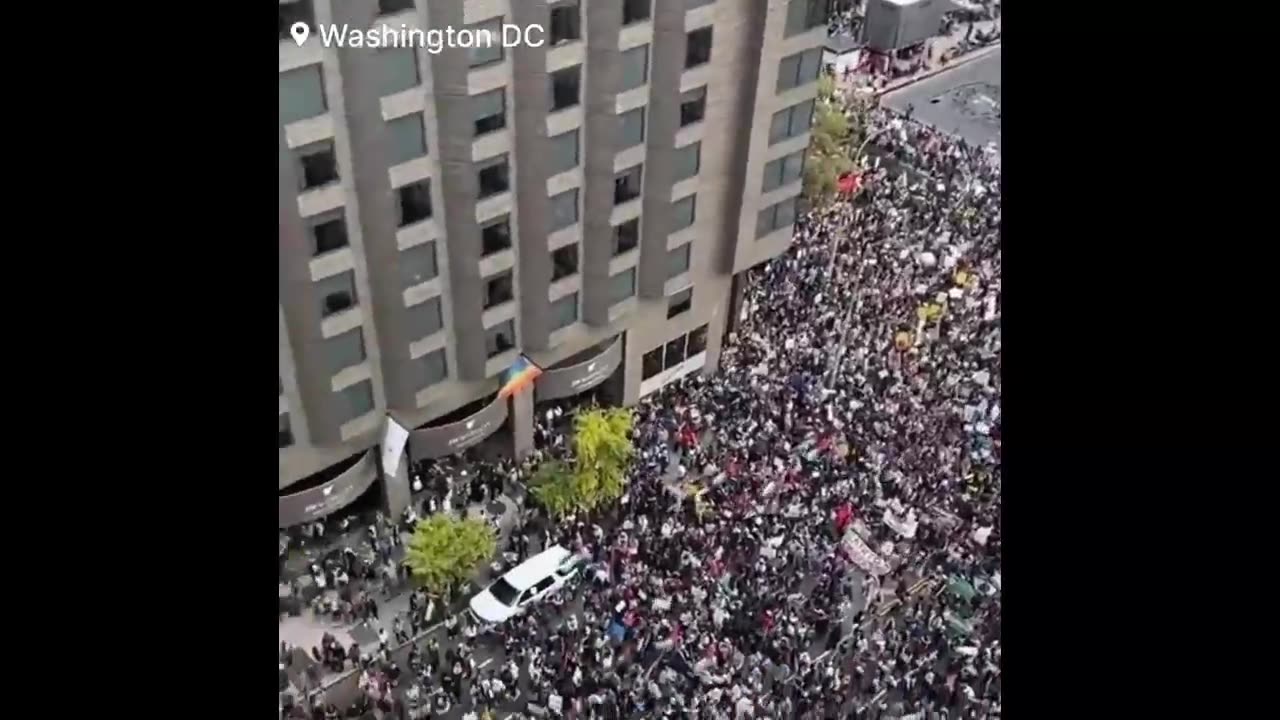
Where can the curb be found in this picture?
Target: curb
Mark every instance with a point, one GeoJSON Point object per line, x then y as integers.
{"type": "Point", "coordinates": [962, 60]}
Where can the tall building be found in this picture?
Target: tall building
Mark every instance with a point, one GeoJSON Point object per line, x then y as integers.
{"type": "Point", "coordinates": [589, 199]}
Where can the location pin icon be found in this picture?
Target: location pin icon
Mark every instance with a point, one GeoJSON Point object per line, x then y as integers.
{"type": "Point", "coordinates": [300, 31]}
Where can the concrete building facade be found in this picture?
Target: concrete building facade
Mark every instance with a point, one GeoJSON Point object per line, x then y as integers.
{"type": "Point", "coordinates": [588, 201]}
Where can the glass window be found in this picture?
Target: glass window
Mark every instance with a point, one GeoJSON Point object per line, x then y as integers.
{"type": "Point", "coordinates": [783, 171]}
{"type": "Point", "coordinates": [633, 11]}
{"type": "Point", "coordinates": [425, 319]}
{"type": "Point", "coordinates": [328, 232]}
{"type": "Point", "coordinates": [697, 341]}
{"type": "Point", "coordinates": [675, 352]}
{"type": "Point", "coordinates": [566, 22]}
{"type": "Point", "coordinates": [489, 111]}
{"type": "Point", "coordinates": [683, 212]}
{"type": "Point", "coordinates": [286, 432]}
{"type": "Point", "coordinates": [564, 312]}
{"type": "Point", "coordinates": [418, 264]}
{"type": "Point", "coordinates": [805, 15]}
{"type": "Point", "coordinates": [799, 69]}
{"type": "Point", "coordinates": [433, 368]}
{"type": "Point", "coordinates": [408, 138]}
{"type": "Point", "coordinates": [565, 86]}
{"type": "Point", "coordinates": [337, 293]}
{"type": "Point", "coordinates": [688, 160]}
{"type": "Point", "coordinates": [295, 11]}
{"type": "Point", "coordinates": [564, 152]}
{"type": "Point", "coordinates": [301, 94]}
{"type": "Point", "coordinates": [626, 236]}
{"type": "Point", "coordinates": [499, 338]}
{"type": "Point", "coordinates": [790, 122]}
{"type": "Point", "coordinates": [678, 261]}
{"type": "Point", "coordinates": [693, 106]}
{"type": "Point", "coordinates": [499, 289]}
{"type": "Point", "coordinates": [697, 47]}
{"type": "Point", "coordinates": [635, 67]}
{"type": "Point", "coordinates": [627, 184]}
{"type": "Point", "coordinates": [651, 363]}
{"type": "Point", "coordinates": [564, 209]}
{"type": "Point", "coordinates": [357, 400]}
{"type": "Point", "coordinates": [494, 176]}
{"type": "Point", "coordinates": [397, 70]}
{"type": "Point", "coordinates": [488, 45]}
{"type": "Point", "coordinates": [495, 236]}
{"type": "Point", "coordinates": [386, 7]}
{"type": "Point", "coordinates": [630, 128]}
{"type": "Point", "coordinates": [776, 216]}
{"type": "Point", "coordinates": [343, 351]}
{"type": "Point", "coordinates": [679, 303]}
{"type": "Point", "coordinates": [564, 262]}
{"type": "Point", "coordinates": [319, 164]}
{"type": "Point", "coordinates": [415, 202]}
{"type": "Point", "coordinates": [622, 286]}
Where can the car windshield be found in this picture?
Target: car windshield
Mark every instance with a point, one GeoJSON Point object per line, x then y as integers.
{"type": "Point", "coordinates": [504, 591]}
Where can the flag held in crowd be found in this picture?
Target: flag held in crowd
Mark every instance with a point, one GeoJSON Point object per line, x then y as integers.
{"type": "Point", "coordinates": [520, 375]}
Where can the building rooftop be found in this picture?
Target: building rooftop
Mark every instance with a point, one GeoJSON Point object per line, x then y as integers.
{"type": "Point", "coordinates": [963, 100]}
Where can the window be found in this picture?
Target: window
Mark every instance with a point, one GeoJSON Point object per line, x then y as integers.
{"type": "Point", "coordinates": [489, 111]}
{"type": "Point", "coordinates": [633, 11]}
{"type": "Point", "coordinates": [286, 432]}
{"type": "Point", "coordinates": [693, 106]}
{"type": "Point", "coordinates": [432, 368]}
{"type": "Point", "coordinates": [564, 262]}
{"type": "Point", "coordinates": [337, 293]}
{"type": "Point", "coordinates": [630, 128]}
{"type": "Point", "coordinates": [488, 45]}
{"type": "Point", "coordinates": [683, 212]}
{"type": "Point", "coordinates": [622, 286]}
{"type": "Point", "coordinates": [564, 152]}
{"type": "Point", "coordinates": [783, 171]}
{"type": "Point", "coordinates": [343, 351]}
{"type": "Point", "coordinates": [408, 138]}
{"type": "Point", "coordinates": [319, 164]}
{"type": "Point", "coordinates": [386, 7]}
{"type": "Point", "coordinates": [418, 264]}
{"type": "Point", "coordinates": [494, 176]}
{"type": "Point", "coordinates": [790, 122]}
{"type": "Point", "coordinates": [688, 161]}
{"type": "Point", "coordinates": [774, 217]}
{"type": "Point", "coordinates": [626, 236]}
{"type": "Point", "coordinates": [564, 312]}
{"type": "Point", "coordinates": [357, 399]}
{"type": "Point", "coordinates": [626, 184]}
{"type": "Point", "coordinates": [675, 353]}
{"type": "Point", "coordinates": [296, 11]}
{"type": "Point", "coordinates": [635, 67]}
{"type": "Point", "coordinates": [301, 94]}
{"type": "Point", "coordinates": [415, 202]}
{"type": "Point", "coordinates": [651, 363]}
{"type": "Point", "coordinates": [805, 15]}
{"type": "Point", "coordinates": [697, 47]}
{"type": "Point", "coordinates": [499, 338]}
{"type": "Point", "coordinates": [495, 236]}
{"type": "Point", "coordinates": [498, 289]}
{"type": "Point", "coordinates": [678, 261]}
{"type": "Point", "coordinates": [397, 71]}
{"type": "Point", "coordinates": [328, 233]}
{"type": "Point", "coordinates": [679, 303]}
{"type": "Point", "coordinates": [799, 69]}
{"type": "Point", "coordinates": [565, 86]}
{"type": "Point", "coordinates": [697, 341]}
{"type": "Point", "coordinates": [425, 319]}
{"type": "Point", "coordinates": [564, 209]}
{"type": "Point", "coordinates": [566, 22]}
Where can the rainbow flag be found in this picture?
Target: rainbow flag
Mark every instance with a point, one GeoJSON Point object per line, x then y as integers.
{"type": "Point", "coordinates": [520, 375]}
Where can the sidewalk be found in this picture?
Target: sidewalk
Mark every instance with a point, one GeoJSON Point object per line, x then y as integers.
{"type": "Point", "coordinates": [938, 46]}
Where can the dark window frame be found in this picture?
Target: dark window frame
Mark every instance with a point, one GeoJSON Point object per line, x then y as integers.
{"type": "Point", "coordinates": [396, 6]}
{"type": "Point", "coordinates": [695, 105]}
{"type": "Point", "coordinates": [288, 18]}
{"type": "Point", "coordinates": [624, 177]}
{"type": "Point", "coordinates": [556, 320]}
{"type": "Point", "coordinates": [692, 198]}
{"type": "Point", "coordinates": [636, 11]}
{"type": "Point", "coordinates": [502, 53]}
{"type": "Point", "coordinates": [805, 15]}
{"type": "Point", "coordinates": [503, 221]}
{"type": "Point", "coordinates": [493, 333]}
{"type": "Point", "coordinates": [495, 281]}
{"type": "Point", "coordinates": [694, 54]}
{"type": "Point", "coordinates": [426, 362]}
{"type": "Point", "coordinates": [286, 431]}
{"type": "Point", "coordinates": [574, 72]}
{"type": "Point", "coordinates": [319, 148]}
{"type": "Point", "coordinates": [684, 251]}
{"type": "Point", "coordinates": [680, 303]}
{"type": "Point", "coordinates": [500, 162]}
{"type": "Point", "coordinates": [345, 393]}
{"type": "Point", "coordinates": [574, 26]}
{"type": "Point", "coordinates": [626, 229]}
{"type": "Point", "coordinates": [405, 218]}
{"type": "Point", "coordinates": [795, 78]}
{"type": "Point", "coordinates": [483, 125]}
{"type": "Point", "coordinates": [410, 253]}
{"type": "Point", "coordinates": [631, 271]}
{"type": "Point", "coordinates": [565, 262]}
{"type": "Point", "coordinates": [327, 308]}
{"type": "Point", "coordinates": [697, 161]}
{"type": "Point", "coordinates": [326, 219]}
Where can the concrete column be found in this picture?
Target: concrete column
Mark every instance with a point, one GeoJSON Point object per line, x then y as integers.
{"type": "Point", "coordinates": [522, 422]}
{"type": "Point", "coordinates": [395, 488]}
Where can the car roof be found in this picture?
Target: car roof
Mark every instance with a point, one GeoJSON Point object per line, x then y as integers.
{"type": "Point", "coordinates": [529, 572]}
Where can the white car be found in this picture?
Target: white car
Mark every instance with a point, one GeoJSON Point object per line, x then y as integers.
{"type": "Point", "coordinates": [525, 584]}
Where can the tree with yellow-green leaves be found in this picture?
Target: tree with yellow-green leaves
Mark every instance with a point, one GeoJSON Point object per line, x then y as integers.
{"type": "Point", "coordinates": [445, 551]}
{"type": "Point", "coordinates": [597, 473]}
{"type": "Point", "coordinates": [839, 127]}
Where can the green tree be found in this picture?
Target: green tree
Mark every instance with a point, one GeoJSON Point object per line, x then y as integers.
{"type": "Point", "coordinates": [839, 125]}
{"type": "Point", "coordinates": [597, 475]}
{"type": "Point", "coordinates": [445, 551]}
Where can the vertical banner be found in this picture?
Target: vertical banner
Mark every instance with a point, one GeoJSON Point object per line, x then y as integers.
{"type": "Point", "coordinates": [393, 441]}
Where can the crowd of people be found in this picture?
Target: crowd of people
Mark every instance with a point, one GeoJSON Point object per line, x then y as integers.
{"type": "Point", "coordinates": [828, 545]}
